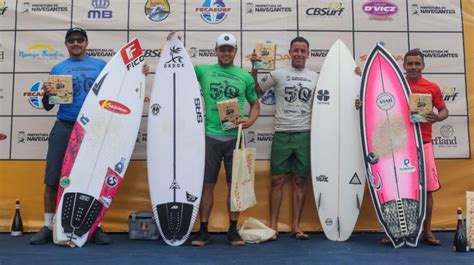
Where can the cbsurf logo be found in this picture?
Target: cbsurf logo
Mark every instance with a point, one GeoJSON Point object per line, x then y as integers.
{"type": "Point", "coordinates": [157, 10]}
{"type": "Point", "coordinates": [385, 101]}
{"type": "Point", "coordinates": [213, 11]}
{"type": "Point", "coordinates": [114, 106]}
{"type": "Point", "coordinates": [132, 54]}
{"type": "Point", "coordinates": [380, 10]}
{"type": "Point", "coordinates": [35, 95]}
{"type": "Point", "coordinates": [334, 9]}
{"type": "Point", "coordinates": [449, 94]}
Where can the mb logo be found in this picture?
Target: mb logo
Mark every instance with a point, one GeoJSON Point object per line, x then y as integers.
{"type": "Point", "coordinates": [100, 10]}
{"type": "Point", "coordinates": [323, 95]}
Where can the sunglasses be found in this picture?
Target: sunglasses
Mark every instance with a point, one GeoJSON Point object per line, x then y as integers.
{"type": "Point", "coordinates": [72, 40]}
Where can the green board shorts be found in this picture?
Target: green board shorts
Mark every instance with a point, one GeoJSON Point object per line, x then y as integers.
{"type": "Point", "coordinates": [291, 154]}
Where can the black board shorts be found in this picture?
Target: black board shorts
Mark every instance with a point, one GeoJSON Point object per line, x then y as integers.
{"type": "Point", "coordinates": [216, 151]}
{"type": "Point", "coordinates": [57, 145]}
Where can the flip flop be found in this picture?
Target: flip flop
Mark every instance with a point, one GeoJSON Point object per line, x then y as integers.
{"type": "Point", "coordinates": [299, 236]}
{"type": "Point", "coordinates": [432, 241]}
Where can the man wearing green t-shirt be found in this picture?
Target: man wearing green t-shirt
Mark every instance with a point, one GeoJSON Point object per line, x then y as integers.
{"type": "Point", "coordinates": [219, 82]}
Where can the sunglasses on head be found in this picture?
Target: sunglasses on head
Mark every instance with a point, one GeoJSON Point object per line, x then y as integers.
{"type": "Point", "coordinates": [78, 40]}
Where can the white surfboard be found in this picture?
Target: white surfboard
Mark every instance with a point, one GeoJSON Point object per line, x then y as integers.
{"type": "Point", "coordinates": [336, 157]}
{"type": "Point", "coordinates": [100, 146]}
{"type": "Point", "coordinates": [175, 144]}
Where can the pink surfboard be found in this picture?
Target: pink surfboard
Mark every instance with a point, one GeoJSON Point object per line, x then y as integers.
{"type": "Point", "coordinates": [393, 149]}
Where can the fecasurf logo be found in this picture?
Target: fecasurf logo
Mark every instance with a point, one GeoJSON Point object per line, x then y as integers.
{"type": "Point", "coordinates": [100, 10]}
{"type": "Point", "coordinates": [132, 54]}
{"type": "Point", "coordinates": [380, 10]}
{"type": "Point", "coordinates": [213, 11]}
{"type": "Point", "coordinates": [35, 95]}
{"type": "Point", "coordinates": [114, 106]}
{"type": "Point", "coordinates": [334, 9]}
{"type": "Point", "coordinates": [157, 10]}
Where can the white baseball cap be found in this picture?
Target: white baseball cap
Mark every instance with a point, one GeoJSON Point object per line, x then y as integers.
{"type": "Point", "coordinates": [226, 39]}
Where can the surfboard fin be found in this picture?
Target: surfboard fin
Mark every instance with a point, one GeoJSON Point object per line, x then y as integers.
{"type": "Point", "coordinates": [358, 202]}
{"type": "Point", "coordinates": [319, 200]}
{"type": "Point", "coordinates": [79, 212]}
{"type": "Point", "coordinates": [174, 219]}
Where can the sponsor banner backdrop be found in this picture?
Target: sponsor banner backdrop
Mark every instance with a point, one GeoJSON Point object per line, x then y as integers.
{"type": "Point", "coordinates": [99, 14]}
{"type": "Point", "coordinates": [213, 15]}
{"type": "Point", "coordinates": [443, 51]}
{"type": "Point", "coordinates": [152, 42]}
{"type": "Point", "coordinates": [30, 137]}
{"type": "Point", "coordinates": [201, 46]}
{"type": "Point", "coordinates": [453, 87]}
{"type": "Point", "coordinates": [450, 138]}
{"type": "Point", "coordinates": [5, 123]}
{"type": "Point", "coordinates": [396, 43]}
{"type": "Point", "coordinates": [38, 51]}
{"type": "Point", "coordinates": [282, 44]}
{"type": "Point", "coordinates": [325, 15]}
{"type": "Point", "coordinates": [104, 44]}
{"type": "Point", "coordinates": [32, 41]}
{"type": "Point", "coordinates": [429, 15]}
{"type": "Point", "coordinates": [7, 14]}
{"type": "Point", "coordinates": [260, 136]}
{"type": "Point", "coordinates": [157, 15]}
{"type": "Point", "coordinates": [320, 44]}
{"type": "Point", "coordinates": [6, 81]}
{"type": "Point", "coordinates": [269, 15]}
{"type": "Point", "coordinates": [6, 50]}
{"type": "Point", "coordinates": [28, 95]}
{"type": "Point", "coordinates": [380, 15]}
{"type": "Point", "coordinates": [44, 14]}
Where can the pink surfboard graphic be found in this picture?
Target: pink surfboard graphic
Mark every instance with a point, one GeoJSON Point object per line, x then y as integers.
{"type": "Point", "coordinates": [393, 149]}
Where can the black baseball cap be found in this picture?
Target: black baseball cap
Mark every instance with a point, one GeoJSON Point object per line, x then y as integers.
{"type": "Point", "coordinates": [76, 30]}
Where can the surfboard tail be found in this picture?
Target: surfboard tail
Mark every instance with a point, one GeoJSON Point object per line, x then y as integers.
{"type": "Point", "coordinates": [79, 213]}
{"type": "Point", "coordinates": [175, 219]}
{"type": "Point", "coordinates": [401, 221]}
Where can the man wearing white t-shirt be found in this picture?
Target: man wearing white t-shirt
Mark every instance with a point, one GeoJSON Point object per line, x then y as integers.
{"type": "Point", "coordinates": [294, 87]}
